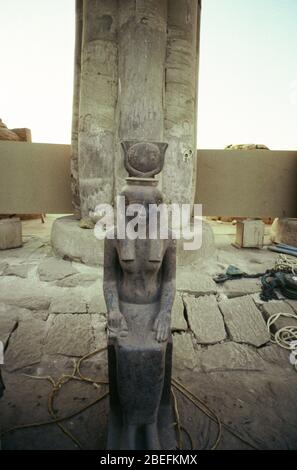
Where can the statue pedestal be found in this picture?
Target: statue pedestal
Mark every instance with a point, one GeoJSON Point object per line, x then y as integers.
{"type": "Point", "coordinates": [77, 244]}
{"type": "Point", "coordinates": [74, 243]}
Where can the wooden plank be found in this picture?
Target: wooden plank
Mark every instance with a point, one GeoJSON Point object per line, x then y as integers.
{"type": "Point", "coordinates": [254, 183]}
{"type": "Point", "coordinates": [34, 178]}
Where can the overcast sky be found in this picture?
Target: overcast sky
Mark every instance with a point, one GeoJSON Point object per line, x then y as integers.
{"type": "Point", "coordinates": [248, 71]}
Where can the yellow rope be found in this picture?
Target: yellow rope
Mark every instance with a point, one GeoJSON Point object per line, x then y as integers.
{"type": "Point", "coordinates": [77, 375]}
{"type": "Point", "coordinates": [209, 412]}
{"type": "Point", "coordinates": [56, 387]}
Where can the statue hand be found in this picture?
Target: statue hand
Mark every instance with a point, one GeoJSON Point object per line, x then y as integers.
{"type": "Point", "coordinates": [117, 323]}
{"type": "Point", "coordinates": [162, 327]}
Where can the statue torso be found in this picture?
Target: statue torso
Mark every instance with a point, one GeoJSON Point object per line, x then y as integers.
{"type": "Point", "coordinates": [141, 268]}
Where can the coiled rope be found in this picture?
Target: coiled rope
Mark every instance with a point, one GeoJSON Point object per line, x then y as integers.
{"type": "Point", "coordinates": [285, 264]}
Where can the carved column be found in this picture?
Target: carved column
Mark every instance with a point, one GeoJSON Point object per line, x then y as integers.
{"type": "Point", "coordinates": [98, 97]}
{"type": "Point", "coordinates": [179, 174]}
{"type": "Point", "coordinates": [135, 78]}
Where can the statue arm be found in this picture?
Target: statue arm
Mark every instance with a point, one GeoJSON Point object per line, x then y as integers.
{"type": "Point", "coordinates": [110, 288]}
{"type": "Point", "coordinates": [110, 276]}
{"type": "Point", "coordinates": [162, 322]}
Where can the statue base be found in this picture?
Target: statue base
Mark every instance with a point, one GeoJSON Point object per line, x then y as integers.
{"type": "Point", "coordinates": [166, 428]}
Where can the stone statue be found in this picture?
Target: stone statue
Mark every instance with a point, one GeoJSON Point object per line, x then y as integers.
{"type": "Point", "coordinates": [139, 290]}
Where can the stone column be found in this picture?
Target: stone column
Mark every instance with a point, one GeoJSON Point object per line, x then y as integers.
{"type": "Point", "coordinates": [75, 107]}
{"type": "Point", "coordinates": [179, 174]}
{"type": "Point", "coordinates": [98, 98]}
{"type": "Point", "coordinates": [136, 78]}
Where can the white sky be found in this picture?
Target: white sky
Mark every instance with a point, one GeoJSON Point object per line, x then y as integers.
{"type": "Point", "coordinates": [248, 71]}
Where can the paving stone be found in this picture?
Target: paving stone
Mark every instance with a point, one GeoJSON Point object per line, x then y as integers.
{"type": "Point", "coordinates": [99, 327]}
{"type": "Point", "coordinates": [293, 304]}
{"type": "Point", "coordinates": [24, 293]}
{"type": "Point", "coordinates": [257, 299]}
{"type": "Point", "coordinates": [7, 325]}
{"type": "Point", "coordinates": [69, 303]}
{"type": "Point", "coordinates": [274, 354]}
{"type": "Point", "coordinates": [3, 266]}
{"type": "Point", "coordinates": [279, 306]}
{"type": "Point", "coordinates": [240, 287]}
{"type": "Point", "coordinates": [230, 356]}
{"type": "Point", "coordinates": [79, 279]}
{"type": "Point", "coordinates": [19, 314]}
{"type": "Point", "coordinates": [205, 319]}
{"type": "Point", "coordinates": [53, 269]}
{"type": "Point", "coordinates": [13, 312]}
{"type": "Point", "coordinates": [39, 314]}
{"type": "Point", "coordinates": [97, 304]}
{"type": "Point", "coordinates": [69, 334]}
{"type": "Point", "coordinates": [25, 345]}
{"type": "Point", "coordinates": [178, 321]}
{"type": "Point", "coordinates": [184, 354]}
{"type": "Point", "coordinates": [193, 283]}
{"type": "Point", "coordinates": [19, 270]}
{"type": "Point", "coordinates": [244, 321]}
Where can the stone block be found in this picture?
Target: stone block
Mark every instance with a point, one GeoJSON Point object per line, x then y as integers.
{"type": "Point", "coordinates": [184, 354]}
{"type": "Point", "coordinates": [19, 270]}
{"type": "Point", "coordinates": [279, 306]}
{"type": "Point", "coordinates": [178, 322]}
{"type": "Point", "coordinates": [205, 319]}
{"type": "Point", "coordinates": [10, 233]}
{"type": "Point", "coordinates": [97, 304]}
{"type": "Point", "coordinates": [188, 280]}
{"type": "Point", "coordinates": [24, 293]}
{"type": "Point", "coordinates": [53, 269]}
{"type": "Point", "coordinates": [244, 321]}
{"type": "Point", "coordinates": [230, 356]}
{"type": "Point", "coordinates": [69, 303]}
{"type": "Point", "coordinates": [25, 345]}
{"type": "Point", "coordinates": [7, 325]}
{"type": "Point", "coordinates": [241, 287]}
{"type": "Point", "coordinates": [80, 279]}
{"type": "Point", "coordinates": [69, 334]}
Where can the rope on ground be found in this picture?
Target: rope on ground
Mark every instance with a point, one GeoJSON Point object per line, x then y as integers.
{"type": "Point", "coordinates": [77, 375]}
{"type": "Point", "coordinates": [283, 263]}
{"type": "Point", "coordinates": [56, 387]}
{"type": "Point", "coordinates": [285, 337]}
{"type": "Point", "coordinates": [200, 404]}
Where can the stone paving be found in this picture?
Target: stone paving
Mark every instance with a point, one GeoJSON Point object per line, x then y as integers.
{"type": "Point", "coordinates": [52, 312]}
